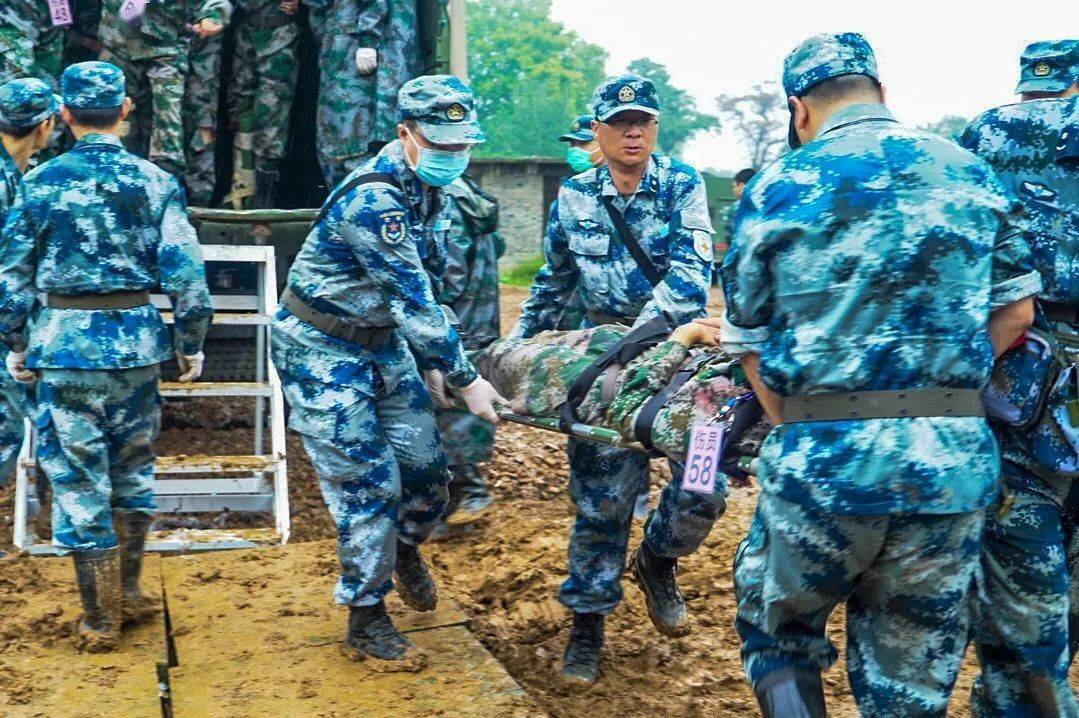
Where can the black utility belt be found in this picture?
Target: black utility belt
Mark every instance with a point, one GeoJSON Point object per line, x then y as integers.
{"type": "Point", "coordinates": [599, 318]}
{"type": "Point", "coordinates": [904, 404]}
{"type": "Point", "coordinates": [1057, 312]}
{"type": "Point", "coordinates": [115, 300]}
{"type": "Point", "coordinates": [335, 326]}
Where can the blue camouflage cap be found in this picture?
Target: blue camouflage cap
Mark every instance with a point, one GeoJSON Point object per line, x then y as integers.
{"type": "Point", "coordinates": [444, 109]}
{"type": "Point", "coordinates": [93, 85]}
{"type": "Point", "coordinates": [1049, 66]}
{"type": "Point", "coordinates": [580, 130]}
{"type": "Point", "coordinates": [822, 57]}
{"type": "Point", "coordinates": [622, 93]}
{"type": "Point", "coordinates": [26, 102]}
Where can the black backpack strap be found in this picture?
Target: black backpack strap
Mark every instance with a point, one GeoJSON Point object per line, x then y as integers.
{"type": "Point", "coordinates": [741, 414]}
{"type": "Point", "coordinates": [644, 262]}
{"type": "Point", "coordinates": [626, 350]}
{"type": "Point", "coordinates": [369, 178]}
{"type": "Point", "coordinates": [642, 425]}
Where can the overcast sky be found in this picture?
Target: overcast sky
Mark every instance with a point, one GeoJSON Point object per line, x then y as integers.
{"type": "Point", "coordinates": [935, 58]}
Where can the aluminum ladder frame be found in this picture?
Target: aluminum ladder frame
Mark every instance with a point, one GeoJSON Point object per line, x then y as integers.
{"type": "Point", "coordinates": [254, 482]}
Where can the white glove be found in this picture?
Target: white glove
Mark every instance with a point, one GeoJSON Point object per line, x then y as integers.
{"type": "Point", "coordinates": [16, 366]}
{"type": "Point", "coordinates": [436, 387]}
{"type": "Point", "coordinates": [366, 60]}
{"type": "Point", "coordinates": [190, 366]}
{"type": "Point", "coordinates": [480, 398]}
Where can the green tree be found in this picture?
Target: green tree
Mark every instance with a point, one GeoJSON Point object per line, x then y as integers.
{"type": "Point", "coordinates": [950, 126]}
{"type": "Point", "coordinates": [531, 76]}
{"type": "Point", "coordinates": [680, 118]}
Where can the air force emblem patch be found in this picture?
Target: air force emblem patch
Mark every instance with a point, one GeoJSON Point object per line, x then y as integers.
{"type": "Point", "coordinates": [1041, 69]}
{"type": "Point", "coordinates": [626, 94]}
{"type": "Point", "coordinates": [392, 226]}
{"type": "Point", "coordinates": [702, 244]}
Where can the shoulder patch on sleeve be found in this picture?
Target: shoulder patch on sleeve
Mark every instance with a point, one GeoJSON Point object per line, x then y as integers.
{"type": "Point", "coordinates": [702, 244]}
{"type": "Point", "coordinates": [392, 226]}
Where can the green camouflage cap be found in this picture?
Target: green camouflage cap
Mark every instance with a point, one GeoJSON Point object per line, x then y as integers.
{"type": "Point", "coordinates": [26, 102]}
{"type": "Point", "coordinates": [822, 57]}
{"type": "Point", "coordinates": [92, 86]}
{"type": "Point", "coordinates": [444, 109]}
{"type": "Point", "coordinates": [622, 93]}
{"type": "Point", "coordinates": [1049, 66]}
{"type": "Point", "coordinates": [580, 130]}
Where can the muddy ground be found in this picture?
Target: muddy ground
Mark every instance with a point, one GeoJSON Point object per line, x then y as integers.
{"type": "Point", "coordinates": [505, 574]}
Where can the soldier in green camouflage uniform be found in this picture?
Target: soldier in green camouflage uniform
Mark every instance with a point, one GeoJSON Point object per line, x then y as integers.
{"type": "Point", "coordinates": [369, 49]}
{"type": "Point", "coordinates": [263, 85]}
{"type": "Point", "coordinates": [200, 115]}
{"type": "Point", "coordinates": [30, 45]}
{"type": "Point", "coordinates": [152, 50]}
{"type": "Point", "coordinates": [470, 288]}
{"type": "Point", "coordinates": [82, 44]}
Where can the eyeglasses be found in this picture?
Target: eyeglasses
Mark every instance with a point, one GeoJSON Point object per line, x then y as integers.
{"type": "Point", "coordinates": [624, 123]}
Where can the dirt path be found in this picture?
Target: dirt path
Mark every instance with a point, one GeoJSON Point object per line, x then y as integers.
{"type": "Point", "coordinates": [505, 575]}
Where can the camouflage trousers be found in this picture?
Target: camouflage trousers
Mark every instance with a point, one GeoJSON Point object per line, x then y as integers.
{"type": "Point", "coordinates": [906, 581]}
{"type": "Point", "coordinates": [263, 86]}
{"type": "Point", "coordinates": [382, 472]}
{"type": "Point", "coordinates": [96, 431]}
{"type": "Point", "coordinates": [20, 56]}
{"type": "Point", "coordinates": [200, 118]}
{"type": "Point", "coordinates": [604, 483]}
{"type": "Point", "coordinates": [466, 438]}
{"type": "Point", "coordinates": [1025, 614]}
{"type": "Point", "coordinates": [155, 127]}
{"type": "Point", "coordinates": [13, 406]}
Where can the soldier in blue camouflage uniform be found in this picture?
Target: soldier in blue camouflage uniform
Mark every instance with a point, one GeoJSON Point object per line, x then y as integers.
{"type": "Point", "coordinates": [1030, 547]}
{"type": "Point", "coordinates": [358, 305]}
{"type": "Point", "coordinates": [469, 287]}
{"type": "Point", "coordinates": [94, 231]}
{"type": "Point", "coordinates": [877, 269]}
{"type": "Point", "coordinates": [663, 202]}
{"type": "Point", "coordinates": [28, 110]}
{"type": "Point", "coordinates": [369, 49]}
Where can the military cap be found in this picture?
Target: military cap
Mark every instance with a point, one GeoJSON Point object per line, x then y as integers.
{"type": "Point", "coordinates": [622, 93]}
{"type": "Point", "coordinates": [1049, 66]}
{"type": "Point", "coordinates": [443, 107]}
{"type": "Point", "coordinates": [93, 85]}
{"type": "Point", "coordinates": [822, 57]}
{"type": "Point", "coordinates": [26, 102]}
{"type": "Point", "coordinates": [580, 130]}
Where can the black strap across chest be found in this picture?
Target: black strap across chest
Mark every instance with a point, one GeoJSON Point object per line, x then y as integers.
{"type": "Point", "coordinates": [369, 178]}
{"type": "Point", "coordinates": [644, 262]}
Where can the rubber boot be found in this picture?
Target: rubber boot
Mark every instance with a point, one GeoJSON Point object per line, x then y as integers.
{"type": "Point", "coordinates": [97, 574]}
{"type": "Point", "coordinates": [265, 188]}
{"type": "Point", "coordinates": [580, 662]}
{"type": "Point", "coordinates": [655, 575]}
{"type": "Point", "coordinates": [414, 582]}
{"type": "Point", "coordinates": [131, 529]}
{"type": "Point", "coordinates": [474, 499]}
{"type": "Point", "coordinates": [791, 693]}
{"type": "Point", "coordinates": [372, 633]}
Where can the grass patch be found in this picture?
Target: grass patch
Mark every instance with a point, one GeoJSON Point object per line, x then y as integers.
{"type": "Point", "coordinates": [522, 274]}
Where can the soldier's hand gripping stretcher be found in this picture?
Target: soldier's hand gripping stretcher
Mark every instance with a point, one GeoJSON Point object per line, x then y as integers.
{"type": "Point", "coordinates": [644, 389]}
{"type": "Point", "coordinates": [16, 367]}
{"type": "Point", "coordinates": [479, 397]}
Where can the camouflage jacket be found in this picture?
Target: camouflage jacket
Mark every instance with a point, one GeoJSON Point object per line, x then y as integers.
{"type": "Point", "coordinates": [353, 110]}
{"type": "Point", "coordinates": [870, 259]}
{"type": "Point", "coordinates": [668, 215]}
{"type": "Point", "coordinates": [365, 263]}
{"type": "Point", "coordinates": [535, 375]}
{"type": "Point", "coordinates": [93, 221]}
{"type": "Point", "coordinates": [10, 181]}
{"type": "Point", "coordinates": [162, 31]}
{"type": "Point", "coordinates": [1020, 142]}
{"type": "Point", "coordinates": [470, 280]}
{"type": "Point", "coordinates": [29, 42]}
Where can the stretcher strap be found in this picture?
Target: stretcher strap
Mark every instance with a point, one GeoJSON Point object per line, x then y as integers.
{"type": "Point", "coordinates": [642, 426]}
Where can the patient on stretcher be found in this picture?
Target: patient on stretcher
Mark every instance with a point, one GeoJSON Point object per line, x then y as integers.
{"type": "Point", "coordinates": [535, 375]}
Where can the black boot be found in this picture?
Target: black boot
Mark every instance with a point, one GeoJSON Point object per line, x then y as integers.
{"type": "Point", "coordinates": [791, 693]}
{"type": "Point", "coordinates": [97, 574]}
{"type": "Point", "coordinates": [265, 188]}
{"type": "Point", "coordinates": [371, 632]}
{"type": "Point", "coordinates": [414, 582]}
{"type": "Point", "coordinates": [131, 529]}
{"type": "Point", "coordinates": [656, 577]}
{"type": "Point", "coordinates": [473, 499]}
{"type": "Point", "coordinates": [580, 662]}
